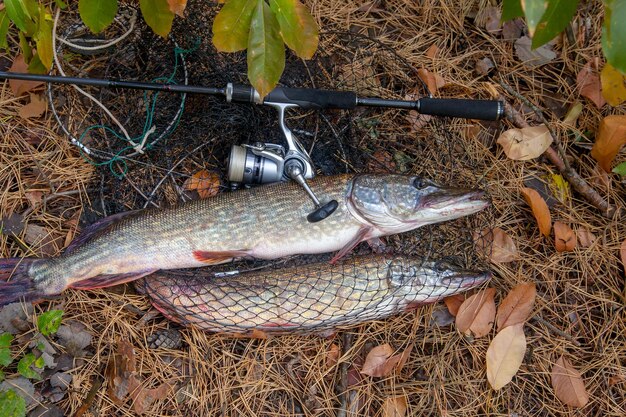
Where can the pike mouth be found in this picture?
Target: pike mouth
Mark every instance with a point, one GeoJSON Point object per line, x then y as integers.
{"type": "Point", "coordinates": [466, 279]}
{"type": "Point", "coordinates": [456, 200]}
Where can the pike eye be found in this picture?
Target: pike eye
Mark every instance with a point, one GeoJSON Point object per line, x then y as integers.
{"type": "Point", "coordinates": [420, 183]}
{"type": "Point", "coordinates": [441, 266]}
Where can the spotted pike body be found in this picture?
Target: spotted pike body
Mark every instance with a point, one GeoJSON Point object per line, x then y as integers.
{"type": "Point", "coordinates": [265, 222]}
{"type": "Point", "coordinates": [308, 298]}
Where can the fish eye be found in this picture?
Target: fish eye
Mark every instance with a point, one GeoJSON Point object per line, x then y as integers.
{"type": "Point", "coordinates": [441, 266]}
{"type": "Point", "coordinates": [420, 183]}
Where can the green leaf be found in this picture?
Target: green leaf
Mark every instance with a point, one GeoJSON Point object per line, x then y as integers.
{"type": "Point", "coordinates": [5, 349]}
{"type": "Point", "coordinates": [48, 322]}
{"type": "Point", "coordinates": [5, 340]}
{"type": "Point", "coordinates": [558, 14]}
{"type": "Point", "coordinates": [19, 12]}
{"type": "Point", "coordinates": [23, 367]}
{"type": "Point", "coordinates": [1, 379]}
{"type": "Point", "coordinates": [4, 29]}
{"type": "Point", "coordinates": [157, 15]}
{"type": "Point", "coordinates": [620, 169]}
{"type": "Point", "coordinates": [61, 4]}
{"type": "Point", "coordinates": [297, 27]}
{"type": "Point", "coordinates": [266, 51]}
{"type": "Point", "coordinates": [97, 14]}
{"type": "Point", "coordinates": [533, 10]}
{"type": "Point", "coordinates": [232, 25]}
{"type": "Point", "coordinates": [35, 66]}
{"type": "Point", "coordinates": [43, 39]}
{"type": "Point", "coordinates": [11, 404]}
{"type": "Point", "coordinates": [25, 47]}
{"type": "Point", "coordinates": [614, 34]}
{"type": "Point", "coordinates": [511, 9]}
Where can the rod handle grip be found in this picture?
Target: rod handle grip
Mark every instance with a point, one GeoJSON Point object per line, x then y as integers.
{"type": "Point", "coordinates": [466, 109]}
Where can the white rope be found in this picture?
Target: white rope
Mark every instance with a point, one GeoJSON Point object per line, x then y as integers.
{"type": "Point", "coordinates": [133, 20]}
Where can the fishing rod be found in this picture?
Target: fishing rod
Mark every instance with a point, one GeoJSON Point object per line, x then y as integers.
{"type": "Point", "coordinates": [267, 162]}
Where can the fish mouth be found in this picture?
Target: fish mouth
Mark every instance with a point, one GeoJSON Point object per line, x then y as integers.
{"type": "Point", "coordinates": [466, 280]}
{"type": "Point", "coordinates": [456, 200]}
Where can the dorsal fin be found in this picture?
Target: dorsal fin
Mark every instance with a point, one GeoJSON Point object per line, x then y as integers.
{"type": "Point", "coordinates": [95, 228]}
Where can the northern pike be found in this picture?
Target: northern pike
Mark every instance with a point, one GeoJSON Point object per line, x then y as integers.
{"type": "Point", "coordinates": [308, 298]}
{"type": "Point", "coordinates": [265, 222]}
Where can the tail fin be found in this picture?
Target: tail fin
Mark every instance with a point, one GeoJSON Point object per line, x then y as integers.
{"type": "Point", "coordinates": [15, 283]}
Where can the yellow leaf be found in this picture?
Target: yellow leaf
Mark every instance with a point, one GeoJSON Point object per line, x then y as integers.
{"type": "Point", "coordinates": [559, 187]}
{"type": "Point", "coordinates": [540, 210]}
{"type": "Point", "coordinates": [572, 114]}
{"type": "Point", "coordinates": [568, 384]}
{"type": "Point", "coordinates": [613, 85]}
{"type": "Point", "coordinates": [505, 355]}
{"type": "Point", "coordinates": [527, 143]}
{"type": "Point", "coordinates": [610, 138]}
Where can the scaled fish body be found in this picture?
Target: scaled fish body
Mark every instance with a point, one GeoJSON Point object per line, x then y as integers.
{"type": "Point", "coordinates": [265, 222]}
{"type": "Point", "coordinates": [307, 298]}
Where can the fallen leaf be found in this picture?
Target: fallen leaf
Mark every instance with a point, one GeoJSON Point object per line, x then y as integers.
{"type": "Point", "coordinates": [417, 120]}
{"type": "Point", "coordinates": [516, 306]}
{"type": "Point", "coordinates": [613, 85]}
{"type": "Point", "coordinates": [379, 361]}
{"type": "Point", "coordinates": [588, 83]}
{"type": "Point", "coordinates": [496, 244]}
{"type": "Point", "coordinates": [585, 237]}
{"type": "Point", "coordinates": [568, 384]}
{"type": "Point", "coordinates": [622, 253]}
{"type": "Point", "coordinates": [75, 337]}
{"type": "Point", "coordinates": [477, 313]}
{"type": "Point", "coordinates": [395, 406]}
{"type": "Point", "coordinates": [21, 386]}
{"type": "Point", "coordinates": [489, 18]}
{"type": "Point", "coordinates": [616, 379]}
{"type": "Point", "coordinates": [484, 66]}
{"type": "Point", "coordinates": [540, 210]}
{"type": "Point", "coordinates": [35, 108]}
{"type": "Point", "coordinates": [454, 302]}
{"type": "Point", "coordinates": [559, 188]}
{"type": "Point", "coordinates": [177, 6]}
{"type": "Point", "coordinates": [206, 183]}
{"type": "Point", "coordinates": [533, 57]}
{"type": "Point", "coordinates": [564, 237]}
{"type": "Point", "coordinates": [143, 398]}
{"type": "Point", "coordinates": [12, 224]}
{"type": "Point", "coordinates": [441, 317]}
{"type": "Point", "coordinates": [15, 317]}
{"type": "Point", "coordinates": [526, 143]}
{"type": "Point", "coordinates": [432, 50]}
{"type": "Point", "coordinates": [34, 198]}
{"type": "Point", "coordinates": [433, 81]}
{"type": "Point", "coordinates": [120, 372]}
{"type": "Point", "coordinates": [572, 114]}
{"type": "Point", "coordinates": [512, 29]}
{"type": "Point", "coordinates": [381, 162]}
{"type": "Point", "coordinates": [404, 357]}
{"type": "Point", "coordinates": [610, 138]}
{"type": "Point", "coordinates": [505, 355]}
{"type": "Point", "coordinates": [20, 87]}
{"type": "Point", "coordinates": [42, 238]}
{"type": "Point", "coordinates": [332, 355]}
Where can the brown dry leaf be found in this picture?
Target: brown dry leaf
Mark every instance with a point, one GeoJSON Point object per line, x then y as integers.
{"type": "Point", "coordinates": [332, 355]}
{"type": "Point", "coordinates": [477, 313]}
{"type": "Point", "coordinates": [177, 6]}
{"type": "Point", "coordinates": [20, 87]}
{"type": "Point", "coordinates": [42, 238]}
{"type": "Point", "coordinates": [35, 108]}
{"type": "Point", "coordinates": [610, 138]}
{"type": "Point", "coordinates": [143, 397]}
{"type": "Point", "coordinates": [404, 357]}
{"type": "Point", "coordinates": [533, 57]}
{"type": "Point", "coordinates": [526, 143]}
{"type": "Point", "coordinates": [564, 237]}
{"type": "Point", "coordinates": [206, 183]}
{"type": "Point", "coordinates": [379, 361]}
{"type": "Point", "coordinates": [496, 244]}
{"type": "Point", "coordinates": [433, 81]}
{"type": "Point", "coordinates": [588, 82]}
{"type": "Point", "coordinates": [585, 237]}
{"type": "Point", "coordinates": [622, 253]}
{"type": "Point", "coordinates": [540, 210]}
{"type": "Point", "coordinates": [568, 384]}
{"type": "Point", "coordinates": [516, 306]}
{"type": "Point", "coordinates": [432, 50]}
{"type": "Point", "coordinates": [454, 302]}
{"type": "Point", "coordinates": [34, 197]}
{"type": "Point", "coordinates": [505, 355]}
{"type": "Point", "coordinates": [120, 373]}
{"type": "Point", "coordinates": [381, 162]}
{"type": "Point", "coordinates": [395, 406]}
{"type": "Point", "coordinates": [613, 85]}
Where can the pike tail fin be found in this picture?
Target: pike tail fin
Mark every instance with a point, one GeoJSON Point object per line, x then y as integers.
{"type": "Point", "coordinates": [15, 282]}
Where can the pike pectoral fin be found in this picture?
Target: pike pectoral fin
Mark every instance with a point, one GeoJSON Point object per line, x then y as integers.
{"type": "Point", "coordinates": [358, 238]}
{"type": "Point", "coordinates": [217, 257]}
{"type": "Point", "coordinates": [98, 227]}
{"type": "Point", "coordinates": [101, 281]}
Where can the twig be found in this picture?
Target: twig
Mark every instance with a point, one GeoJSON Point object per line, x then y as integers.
{"type": "Point", "coordinates": [343, 382]}
{"type": "Point", "coordinates": [556, 330]}
{"type": "Point", "coordinates": [50, 197]}
{"type": "Point", "coordinates": [90, 397]}
{"type": "Point", "coordinates": [576, 181]}
{"type": "Point", "coordinates": [132, 184]}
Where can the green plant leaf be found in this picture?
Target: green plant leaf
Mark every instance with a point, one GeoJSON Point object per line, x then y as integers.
{"type": "Point", "coordinates": [97, 14]}
{"type": "Point", "coordinates": [266, 51]}
{"type": "Point", "coordinates": [614, 34]}
{"type": "Point", "coordinates": [511, 9]}
{"type": "Point", "coordinates": [61, 4]}
{"type": "Point", "coordinates": [533, 10]}
{"type": "Point", "coordinates": [11, 404]}
{"type": "Point", "coordinates": [25, 47]}
{"type": "Point", "coordinates": [4, 29]}
{"type": "Point", "coordinates": [620, 169]}
{"type": "Point", "coordinates": [157, 15]}
{"type": "Point", "coordinates": [48, 323]}
{"type": "Point", "coordinates": [5, 349]}
{"type": "Point", "coordinates": [297, 27]}
{"type": "Point", "coordinates": [35, 66]}
{"type": "Point", "coordinates": [232, 25]}
{"type": "Point", "coordinates": [43, 39]}
{"type": "Point", "coordinates": [20, 13]}
{"type": "Point", "coordinates": [558, 14]}
{"type": "Point", "coordinates": [24, 367]}
{"type": "Point", "coordinates": [1, 379]}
